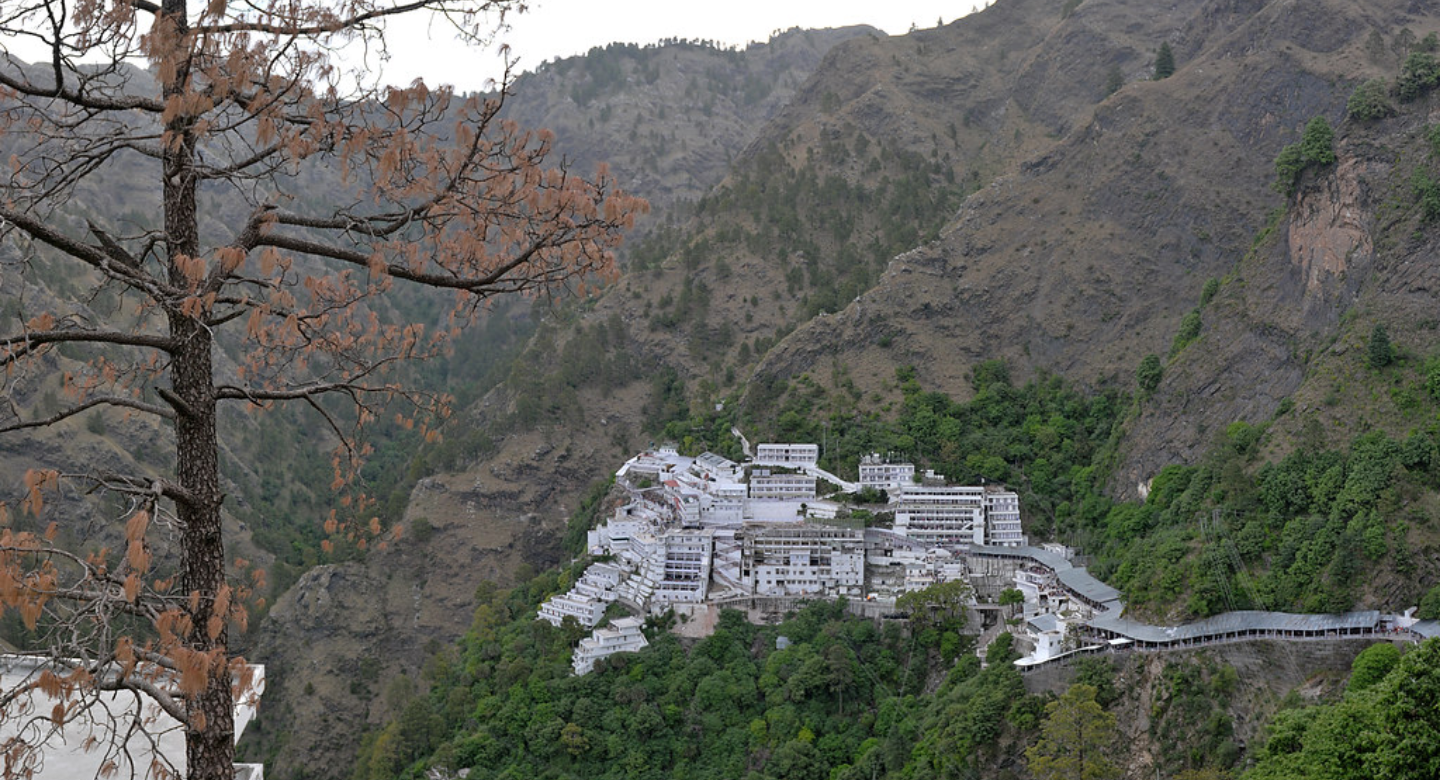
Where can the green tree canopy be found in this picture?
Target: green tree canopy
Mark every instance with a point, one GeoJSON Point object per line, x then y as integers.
{"type": "Point", "coordinates": [1408, 705]}
{"type": "Point", "coordinates": [1430, 605]}
{"type": "Point", "coordinates": [939, 602]}
{"type": "Point", "coordinates": [1316, 147]}
{"type": "Point", "coordinates": [1390, 729]}
{"type": "Point", "coordinates": [1149, 373]}
{"type": "Point", "coordinates": [1372, 665]}
{"type": "Point", "coordinates": [1380, 352]}
{"type": "Point", "coordinates": [1317, 144]}
{"type": "Point", "coordinates": [1164, 62]}
{"type": "Point", "coordinates": [1074, 739]}
{"type": "Point", "coordinates": [1370, 101]}
{"type": "Point", "coordinates": [1418, 75]}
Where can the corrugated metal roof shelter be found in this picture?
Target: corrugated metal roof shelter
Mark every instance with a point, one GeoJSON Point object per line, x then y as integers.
{"type": "Point", "coordinates": [1426, 628]}
{"type": "Point", "coordinates": [1079, 582]}
{"type": "Point", "coordinates": [1238, 625]}
{"type": "Point", "coordinates": [1074, 579]}
{"type": "Point", "coordinates": [1040, 555]}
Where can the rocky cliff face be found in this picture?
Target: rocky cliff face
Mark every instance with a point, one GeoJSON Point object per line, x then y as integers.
{"type": "Point", "coordinates": [1201, 699]}
{"type": "Point", "coordinates": [1085, 255]}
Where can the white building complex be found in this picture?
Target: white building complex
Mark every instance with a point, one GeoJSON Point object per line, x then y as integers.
{"type": "Point", "coordinates": [697, 529]}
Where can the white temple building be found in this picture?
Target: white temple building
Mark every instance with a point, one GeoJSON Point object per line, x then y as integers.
{"type": "Point", "coordinates": [623, 635]}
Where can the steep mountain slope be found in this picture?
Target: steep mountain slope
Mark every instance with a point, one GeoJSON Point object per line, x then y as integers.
{"type": "Point", "coordinates": [1352, 250]}
{"type": "Point", "coordinates": [1086, 256]}
{"type": "Point", "coordinates": [695, 108]}
{"type": "Point", "coordinates": [807, 220]}
{"type": "Point", "coordinates": [1092, 224]}
{"type": "Point", "coordinates": [668, 119]}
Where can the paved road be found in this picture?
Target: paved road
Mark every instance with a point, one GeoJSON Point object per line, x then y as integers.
{"type": "Point", "coordinates": [744, 443]}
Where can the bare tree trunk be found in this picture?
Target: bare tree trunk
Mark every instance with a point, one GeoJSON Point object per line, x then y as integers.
{"type": "Point", "coordinates": [210, 734]}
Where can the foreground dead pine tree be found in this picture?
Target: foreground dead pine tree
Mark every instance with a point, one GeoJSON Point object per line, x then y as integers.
{"type": "Point", "coordinates": [235, 100]}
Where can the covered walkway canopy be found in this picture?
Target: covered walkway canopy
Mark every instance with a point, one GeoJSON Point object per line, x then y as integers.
{"type": "Point", "coordinates": [1246, 624]}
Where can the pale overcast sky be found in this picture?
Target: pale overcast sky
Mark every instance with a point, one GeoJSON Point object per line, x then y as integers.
{"type": "Point", "coordinates": [559, 28]}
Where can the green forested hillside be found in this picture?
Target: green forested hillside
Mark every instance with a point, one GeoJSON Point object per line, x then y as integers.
{"type": "Point", "coordinates": [1384, 725]}
{"type": "Point", "coordinates": [850, 700]}
{"type": "Point", "coordinates": [1321, 530]}
{"type": "Point", "coordinates": [843, 700]}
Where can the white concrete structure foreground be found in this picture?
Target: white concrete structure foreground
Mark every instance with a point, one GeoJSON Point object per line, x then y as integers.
{"type": "Point", "coordinates": [123, 731]}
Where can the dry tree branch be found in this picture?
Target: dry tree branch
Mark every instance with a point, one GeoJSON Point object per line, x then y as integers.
{"type": "Point", "coordinates": [117, 401]}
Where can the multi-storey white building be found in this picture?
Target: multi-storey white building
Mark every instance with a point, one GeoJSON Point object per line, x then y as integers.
{"type": "Point", "coordinates": [623, 635]}
{"type": "Point", "coordinates": [1002, 518]}
{"type": "Point", "coordinates": [723, 503]}
{"type": "Point", "coordinates": [1047, 631]}
{"type": "Point", "coordinates": [599, 581]}
{"type": "Point", "coordinates": [765, 486]}
{"type": "Point", "coordinates": [880, 474]}
{"type": "Point", "coordinates": [800, 558]}
{"type": "Point", "coordinates": [685, 573]}
{"type": "Point", "coordinates": [585, 609]}
{"type": "Point", "coordinates": [587, 599]}
{"type": "Point", "coordinates": [941, 516]}
{"type": "Point", "coordinates": [787, 454]}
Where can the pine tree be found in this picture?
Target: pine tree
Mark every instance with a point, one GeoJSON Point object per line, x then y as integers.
{"type": "Point", "coordinates": [1381, 352]}
{"type": "Point", "coordinates": [1073, 739]}
{"type": "Point", "coordinates": [1164, 62]}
